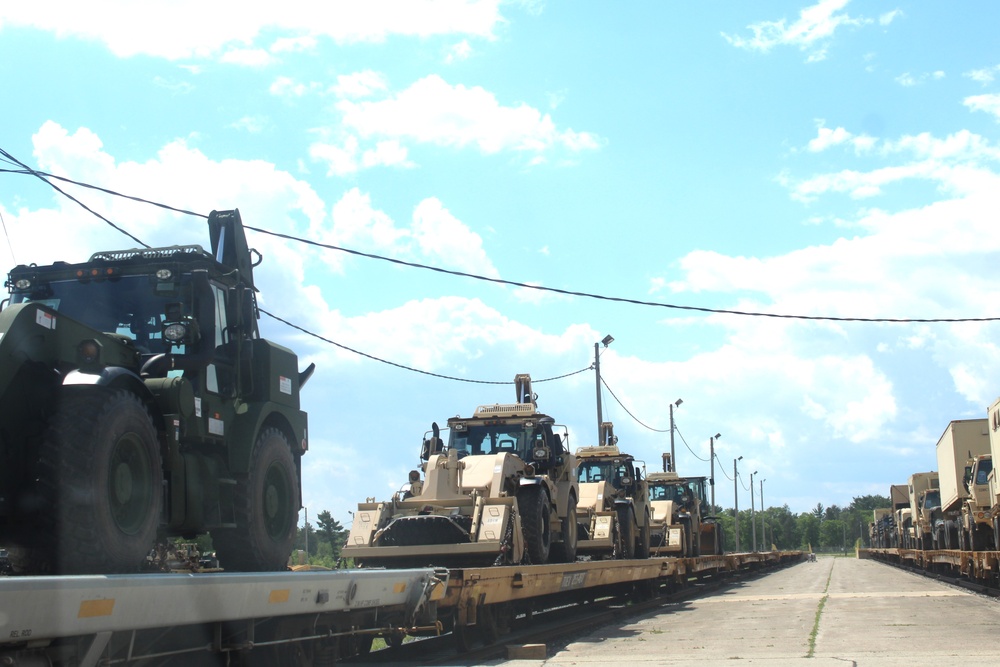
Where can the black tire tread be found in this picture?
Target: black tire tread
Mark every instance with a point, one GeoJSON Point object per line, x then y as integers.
{"type": "Point", "coordinates": [564, 551]}
{"type": "Point", "coordinates": [533, 506]}
{"type": "Point", "coordinates": [626, 523]}
{"type": "Point", "coordinates": [244, 548]}
{"type": "Point", "coordinates": [67, 473]}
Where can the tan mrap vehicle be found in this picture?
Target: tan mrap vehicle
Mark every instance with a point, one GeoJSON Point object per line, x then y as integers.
{"type": "Point", "coordinates": [925, 507]}
{"type": "Point", "coordinates": [502, 491]}
{"type": "Point", "coordinates": [678, 527]}
{"type": "Point", "coordinates": [614, 511]}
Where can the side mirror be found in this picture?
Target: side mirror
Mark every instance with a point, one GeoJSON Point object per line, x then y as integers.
{"type": "Point", "coordinates": [432, 445]}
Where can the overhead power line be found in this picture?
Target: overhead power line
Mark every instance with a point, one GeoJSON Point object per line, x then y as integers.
{"type": "Point", "coordinates": [689, 446]}
{"type": "Point", "coordinates": [42, 176]}
{"type": "Point", "coordinates": [513, 283]}
{"type": "Point", "coordinates": [723, 468]}
{"type": "Point", "coordinates": [637, 420]}
{"type": "Point", "coordinates": [409, 368]}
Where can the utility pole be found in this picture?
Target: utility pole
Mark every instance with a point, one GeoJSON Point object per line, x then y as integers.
{"type": "Point", "coordinates": [673, 454]}
{"type": "Point", "coordinates": [736, 503]}
{"type": "Point", "coordinates": [763, 528]}
{"type": "Point", "coordinates": [711, 459]}
{"type": "Point", "coordinates": [607, 340]}
{"type": "Point", "coordinates": [753, 521]}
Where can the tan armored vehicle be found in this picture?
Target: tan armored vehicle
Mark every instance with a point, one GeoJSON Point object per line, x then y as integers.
{"type": "Point", "coordinates": [678, 527]}
{"type": "Point", "coordinates": [964, 520]}
{"type": "Point", "coordinates": [614, 515]}
{"type": "Point", "coordinates": [899, 496]}
{"type": "Point", "coordinates": [993, 477]}
{"type": "Point", "coordinates": [880, 529]}
{"type": "Point", "coordinates": [925, 507]}
{"type": "Point", "coordinates": [503, 490]}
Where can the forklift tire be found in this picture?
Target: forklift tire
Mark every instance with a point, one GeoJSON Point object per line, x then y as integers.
{"type": "Point", "coordinates": [100, 466]}
{"type": "Point", "coordinates": [533, 504]}
{"type": "Point", "coordinates": [267, 510]}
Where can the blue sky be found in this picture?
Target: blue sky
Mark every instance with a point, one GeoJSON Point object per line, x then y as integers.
{"type": "Point", "coordinates": [836, 158]}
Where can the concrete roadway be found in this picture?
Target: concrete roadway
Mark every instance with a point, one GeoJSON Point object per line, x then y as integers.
{"type": "Point", "coordinates": [863, 612]}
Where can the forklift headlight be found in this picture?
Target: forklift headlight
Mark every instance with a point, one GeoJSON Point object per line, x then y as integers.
{"type": "Point", "coordinates": [541, 453]}
{"type": "Point", "coordinates": [22, 283]}
{"type": "Point", "coordinates": [88, 352]}
{"type": "Point", "coordinates": [175, 333]}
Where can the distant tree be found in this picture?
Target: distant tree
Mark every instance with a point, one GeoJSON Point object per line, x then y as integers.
{"type": "Point", "coordinates": [300, 538]}
{"type": "Point", "coordinates": [867, 503]}
{"type": "Point", "coordinates": [725, 520]}
{"type": "Point", "coordinates": [818, 511]}
{"type": "Point", "coordinates": [329, 527]}
{"type": "Point", "coordinates": [832, 512]}
{"type": "Point", "coordinates": [808, 528]}
{"type": "Point", "coordinates": [833, 533]}
{"type": "Point", "coordinates": [781, 528]}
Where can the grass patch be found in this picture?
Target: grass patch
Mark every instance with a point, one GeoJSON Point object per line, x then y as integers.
{"type": "Point", "coordinates": [819, 613]}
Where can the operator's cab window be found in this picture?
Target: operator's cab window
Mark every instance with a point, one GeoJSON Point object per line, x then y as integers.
{"type": "Point", "coordinates": [220, 326]}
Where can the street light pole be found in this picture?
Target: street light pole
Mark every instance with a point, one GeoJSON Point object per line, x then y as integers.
{"type": "Point", "coordinates": [736, 502]}
{"type": "Point", "coordinates": [711, 459]}
{"type": "Point", "coordinates": [607, 340]}
{"type": "Point", "coordinates": [763, 528]}
{"type": "Point", "coordinates": [753, 521]}
{"type": "Point", "coordinates": [307, 533]}
{"type": "Point", "coordinates": [673, 454]}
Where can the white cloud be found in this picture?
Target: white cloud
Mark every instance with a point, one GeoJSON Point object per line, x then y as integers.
{"type": "Point", "coordinates": [387, 154]}
{"type": "Point", "coordinates": [267, 197]}
{"type": "Point", "coordinates": [294, 44]}
{"type": "Point", "coordinates": [443, 237]}
{"type": "Point", "coordinates": [985, 75]}
{"type": "Point", "coordinates": [285, 86]}
{"type": "Point", "coordinates": [435, 235]}
{"type": "Point", "coordinates": [459, 52]}
{"type": "Point", "coordinates": [356, 223]}
{"type": "Point", "coordinates": [340, 160]}
{"type": "Point", "coordinates": [923, 261]}
{"type": "Point", "coordinates": [187, 29]}
{"type": "Point", "coordinates": [815, 26]}
{"type": "Point", "coordinates": [908, 80]}
{"type": "Point", "coordinates": [247, 57]}
{"type": "Point", "coordinates": [251, 124]}
{"type": "Point", "coordinates": [889, 17]}
{"type": "Point", "coordinates": [360, 84]}
{"type": "Point", "coordinates": [988, 103]}
{"type": "Point", "coordinates": [349, 158]}
{"type": "Point", "coordinates": [178, 87]}
{"type": "Point", "coordinates": [827, 138]}
{"type": "Point", "coordinates": [434, 111]}
{"type": "Point", "coordinates": [952, 162]}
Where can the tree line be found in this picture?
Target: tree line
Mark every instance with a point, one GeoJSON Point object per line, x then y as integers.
{"type": "Point", "coordinates": [827, 528]}
{"type": "Point", "coordinates": [325, 540]}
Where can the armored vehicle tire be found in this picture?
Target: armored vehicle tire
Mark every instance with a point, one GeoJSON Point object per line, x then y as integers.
{"type": "Point", "coordinates": [533, 505]}
{"type": "Point", "coordinates": [565, 551]}
{"type": "Point", "coordinates": [100, 462]}
{"type": "Point", "coordinates": [626, 527]}
{"type": "Point", "coordinates": [266, 507]}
